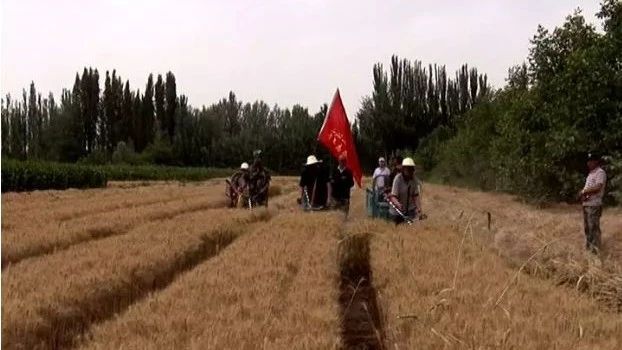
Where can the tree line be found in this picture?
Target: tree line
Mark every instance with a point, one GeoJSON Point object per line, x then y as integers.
{"type": "Point", "coordinates": [118, 124]}
{"type": "Point", "coordinates": [532, 137]}
{"type": "Point", "coordinates": [412, 101]}
{"type": "Point", "coordinates": [87, 119]}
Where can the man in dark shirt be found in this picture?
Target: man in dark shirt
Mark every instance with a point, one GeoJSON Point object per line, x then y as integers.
{"type": "Point", "coordinates": [341, 183]}
{"type": "Point", "coordinates": [259, 181]}
{"type": "Point", "coordinates": [314, 184]}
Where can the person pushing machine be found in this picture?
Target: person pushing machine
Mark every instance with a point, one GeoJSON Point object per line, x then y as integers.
{"type": "Point", "coordinates": [404, 196]}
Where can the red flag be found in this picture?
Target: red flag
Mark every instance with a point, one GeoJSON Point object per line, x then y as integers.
{"type": "Point", "coordinates": [336, 135]}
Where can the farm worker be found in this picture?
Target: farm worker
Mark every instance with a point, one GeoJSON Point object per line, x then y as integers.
{"type": "Point", "coordinates": [259, 181]}
{"type": "Point", "coordinates": [592, 199]}
{"type": "Point", "coordinates": [405, 193]}
{"type": "Point", "coordinates": [341, 183]}
{"type": "Point", "coordinates": [240, 179]}
{"type": "Point", "coordinates": [314, 184]}
{"type": "Point", "coordinates": [380, 178]}
{"type": "Point", "coordinates": [238, 184]}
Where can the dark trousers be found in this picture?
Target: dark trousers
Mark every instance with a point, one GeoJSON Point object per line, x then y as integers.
{"type": "Point", "coordinates": [591, 223]}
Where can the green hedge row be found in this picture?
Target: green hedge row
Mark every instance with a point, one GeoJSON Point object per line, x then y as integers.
{"type": "Point", "coordinates": [29, 176]}
{"type": "Point", "coordinates": [156, 173]}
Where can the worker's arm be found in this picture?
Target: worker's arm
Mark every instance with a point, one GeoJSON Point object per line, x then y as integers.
{"type": "Point", "coordinates": [591, 190]}
{"type": "Point", "coordinates": [600, 182]}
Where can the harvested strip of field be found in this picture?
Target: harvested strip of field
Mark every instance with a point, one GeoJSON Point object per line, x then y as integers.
{"type": "Point", "coordinates": [550, 240]}
{"type": "Point", "coordinates": [47, 301]}
{"type": "Point", "coordinates": [275, 287]}
{"type": "Point", "coordinates": [34, 240]}
{"type": "Point", "coordinates": [438, 288]}
{"type": "Point", "coordinates": [361, 324]}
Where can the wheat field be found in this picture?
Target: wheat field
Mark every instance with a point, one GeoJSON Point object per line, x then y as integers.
{"type": "Point", "coordinates": [166, 265]}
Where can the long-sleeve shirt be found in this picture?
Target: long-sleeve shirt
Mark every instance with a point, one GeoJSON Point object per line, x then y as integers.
{"type": "Point", "coordinates": [315, 179]}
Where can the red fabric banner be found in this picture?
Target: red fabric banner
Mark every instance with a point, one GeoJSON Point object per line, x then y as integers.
{"type": "Point", "coordinates": [336, 135]}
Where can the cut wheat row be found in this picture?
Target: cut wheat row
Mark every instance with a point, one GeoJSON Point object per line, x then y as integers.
{"type": "Point", "coordinates": [49, 300]}
{"type": "Point", "coordinates": [438, 288]}
{"type": "Point", "coordinates": [28, 241]}
{"type": "Point", "coordinates": [273, 288]}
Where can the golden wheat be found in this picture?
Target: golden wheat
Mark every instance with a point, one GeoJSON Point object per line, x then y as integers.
{"type": "Point", "coordinates": [273, 288]}
{"type": "Point", "coordinates": [35, 238]}
{"type": "Point", "coordinates": [295, 281]}
{"type": "Point", "coordinates": [487, 306]}
{"type": "Point", "coordinates": [45, 300]}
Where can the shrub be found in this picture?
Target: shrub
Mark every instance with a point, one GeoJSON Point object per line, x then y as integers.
{"type": "Point", "coordinates": [125, 154]}
{"type": "Point", "coordinates": [28, 176]}
{"type": "Point", "coordinates": [161, 173]}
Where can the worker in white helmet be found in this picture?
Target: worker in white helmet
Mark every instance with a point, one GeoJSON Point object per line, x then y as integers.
{"type": "Point", "coordinates": [238, 185]}
{"type": "Point", "coordinates": [405, 195]}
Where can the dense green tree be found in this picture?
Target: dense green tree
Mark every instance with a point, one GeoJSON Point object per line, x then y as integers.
{"type": "Point", "coordinates": [148, 118]}
{"type": "Point", "coordinates": [171, 106]}
{"type": "Point", "coordinates": [160, 111]}
{"type": "Point", "coordinates": [127, 116]}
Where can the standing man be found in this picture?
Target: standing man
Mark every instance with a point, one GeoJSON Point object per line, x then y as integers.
{"type": "Point", "coordinates": [405, 193]}
{"type": "Point", "coordinates": [341, 183]}
{"type": "Point", "coordinates": [380, 178]}
{"type": "Point", "coordinates": [314, 184]}
{"type": "Point", "coordinates": [259, 181]}
{"type": "Point", "coordinates": [592, 199]}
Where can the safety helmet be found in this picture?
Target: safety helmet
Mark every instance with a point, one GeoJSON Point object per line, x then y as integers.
{"type": "Point", "coordinates": [408, 162]}
{"type": "Point", "coordinates": [244, 166]}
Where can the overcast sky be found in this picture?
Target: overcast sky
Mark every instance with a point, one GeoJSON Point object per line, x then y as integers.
{"type": "Point", "coordinates": [282, 52]}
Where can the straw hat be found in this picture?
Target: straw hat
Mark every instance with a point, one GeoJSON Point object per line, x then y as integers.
{"type": "Point", "coordinates": [311, 160]}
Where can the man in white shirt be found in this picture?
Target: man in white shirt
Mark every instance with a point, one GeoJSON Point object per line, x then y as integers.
{"type": "Point", "coordinates": [592, 199]}
{"type": "Point", "coordinates": [381, 175]}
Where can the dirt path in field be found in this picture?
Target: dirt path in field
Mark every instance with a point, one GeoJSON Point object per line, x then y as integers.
{"type": "Point", "coordinates": [361, 326]}
{"type": "Point", "coordinates": [361, 322]}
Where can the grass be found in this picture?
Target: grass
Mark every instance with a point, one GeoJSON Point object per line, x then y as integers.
{"type": "Point", "coordinates": [153, 172]}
